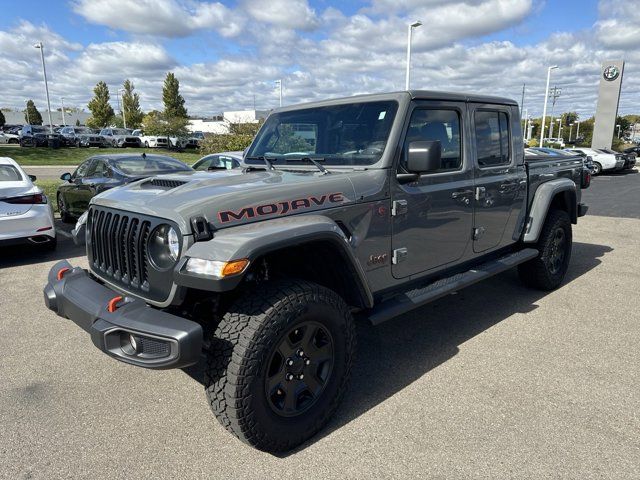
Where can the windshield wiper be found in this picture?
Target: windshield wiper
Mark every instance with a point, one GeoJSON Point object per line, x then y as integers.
{"type": "Point", "coordinates": [311, 160]}
{"type": "Point", "coordinates": [266, 161]}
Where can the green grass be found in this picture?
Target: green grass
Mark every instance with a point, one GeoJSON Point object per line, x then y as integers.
{"type": "Point", "coordinates": [73, 156]}
{"type": "Point", "coordinates": [49, 187]}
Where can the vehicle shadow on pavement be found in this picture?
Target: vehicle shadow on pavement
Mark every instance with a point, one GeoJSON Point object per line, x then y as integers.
{"type": "Point", "coordinates": [393, 355]}
{"type": "Point", "coordinates": [19, 255]}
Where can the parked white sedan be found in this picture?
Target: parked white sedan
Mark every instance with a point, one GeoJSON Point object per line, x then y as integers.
{"type": "Point", "coordinates": [601, 161]}
{"type": "Point", "coordinates": [9, 138]}
{"type": "Point", "coordinates": [26, 215]}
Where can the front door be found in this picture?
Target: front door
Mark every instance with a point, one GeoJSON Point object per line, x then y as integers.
{"type": "Point", "coordinates": [500, 180]}
{"type": "Point", "coordinates": [432, 216]}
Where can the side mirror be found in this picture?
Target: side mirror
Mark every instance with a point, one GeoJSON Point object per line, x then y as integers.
{"type": "Point", "coordinates": [424, 156]}
{"type": "Point", "coordinates": [32, 178]}
{"type": "Point", "coordinates": [65, 176]}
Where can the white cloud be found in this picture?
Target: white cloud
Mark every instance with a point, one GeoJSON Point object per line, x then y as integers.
{"type": "Point", "coordinates": [294, 14]}
{"type": "Point", "coordinates": [345, 54]}
{"type": "Point", "coordinates": [165, 18]}
{"type": "Point", "coordinates": [619, 27]}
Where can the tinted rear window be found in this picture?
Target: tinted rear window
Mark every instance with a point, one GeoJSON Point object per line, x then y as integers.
{"type": "Point", "coordinates": [9, 173]}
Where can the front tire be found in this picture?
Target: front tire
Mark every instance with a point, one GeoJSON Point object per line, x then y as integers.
{"type": "Point", "coordinates": [547, 270]}
{"type": "Point", "coordinates": [65, 216]}
{"type": "Point", "coordinates": [279, 363]}
{"type": "Point", "coordinates": [597, 169]}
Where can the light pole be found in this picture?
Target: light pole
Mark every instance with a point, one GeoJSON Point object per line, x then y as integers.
{"type": "Point", "coordinates": [124, 118]}
{"type": "Point", "coordinates": [618, 127]}
{"type": "Point", "coordinates": [63, 119]}
{"type": "Point", "coordinates": [279, 84]}
{"type": "Point", "coordinates": [46, 86]}
{"type": "Point", "coordinates": [546, 98]}
{"type": "Point", "coordinates": [570, 129]}
{"type": "Point", "coordinates": [559, 120]}
{"type": "Point", "coordinates": [409, 32]}
{"type": "Point", "coordinates": [578, 131]}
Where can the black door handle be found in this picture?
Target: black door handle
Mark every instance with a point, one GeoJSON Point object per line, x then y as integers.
{"type": "Point", "coordinates": [461, 193]}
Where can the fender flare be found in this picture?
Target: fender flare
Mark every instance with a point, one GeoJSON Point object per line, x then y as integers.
{"type": "Point", "coordinates": [254, 240]}
{"type": "Point", "coordinates": [542, 200]}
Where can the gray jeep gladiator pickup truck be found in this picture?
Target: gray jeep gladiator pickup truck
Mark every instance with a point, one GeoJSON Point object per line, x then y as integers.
{"type": "Point", "coordinates": [374, 205]}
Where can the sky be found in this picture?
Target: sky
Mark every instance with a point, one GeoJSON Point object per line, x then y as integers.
{"type": "Point", "coordinates": [227, 55]}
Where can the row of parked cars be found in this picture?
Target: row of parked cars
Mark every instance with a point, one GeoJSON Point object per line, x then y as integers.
{"type": "Point", "coordinates": [598, 160]}
{"type": "Point", "coordinates": [73, 136]}
{"type": "Point", "coordinates": [26, 214]}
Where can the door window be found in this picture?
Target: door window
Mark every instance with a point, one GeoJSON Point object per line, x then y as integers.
{"type": "Point", "coordinates": [82, 170]}
{"type": "Point", "coordinates": [437, 125]}
{"type": "Point", "coordinates": [492, 138]}
{"type": "Point", "coordinates": [99, 169]}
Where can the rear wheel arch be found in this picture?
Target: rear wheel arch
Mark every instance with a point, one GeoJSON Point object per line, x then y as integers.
{"type": "Point", "coordinates": [559, 194]}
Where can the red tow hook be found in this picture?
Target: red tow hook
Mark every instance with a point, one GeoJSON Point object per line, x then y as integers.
{"type": "Point", "coordinates": [61, 272]}
{"type": "Point", "coordinates": [112, 306]}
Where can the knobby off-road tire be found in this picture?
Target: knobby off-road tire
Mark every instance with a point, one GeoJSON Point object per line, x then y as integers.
{"type": "Point", "coordinates": [242, 364]}
{"type": "Point", "coordinates": [547, 270]}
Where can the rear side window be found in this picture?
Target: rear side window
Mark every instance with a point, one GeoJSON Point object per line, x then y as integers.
{"type": "Point", "coordinates": [492, 138]}
{"type": "Point", "coordinates": [9, 173]}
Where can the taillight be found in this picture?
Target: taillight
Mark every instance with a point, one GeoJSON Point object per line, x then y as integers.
{"type": "Point", "coordinates": [36, 198]}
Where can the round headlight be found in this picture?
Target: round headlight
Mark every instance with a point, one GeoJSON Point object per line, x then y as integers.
{"type": "Point", "coordinates": [164, 247]}
{"type": "Point", "coordinates": [174, 243]}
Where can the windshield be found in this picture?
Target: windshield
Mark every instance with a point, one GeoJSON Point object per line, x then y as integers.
{"type": "Point", "coordinates": [9, 173]}
{"type": "Point", "coordinates": [120, 131]}
{"type": "Point", "coordinates": [38, 129]}
{"type": "Point", "coordinates": [83, 131]}
{"type": "Point", "coordinates": [149, 165]}
{"type": "Point", "coordinates": [351, 134]}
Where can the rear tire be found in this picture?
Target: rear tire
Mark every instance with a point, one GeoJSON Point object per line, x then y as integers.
{"type": "Point", "coordinates": [597, 169]}
{"type": "Point", "coordinates": [547, 270]}
{"type": "Point", "coordinates": [247, 375]}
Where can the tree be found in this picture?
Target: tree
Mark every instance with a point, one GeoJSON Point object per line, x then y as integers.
{"type": "Point", "coordinates": [77, 122]}
{"type": "Point", "coordinates": [239, 137]}
{"type": "Point", "coordinates": [101, 110]}
{"type": "Point", "coordinates": [131, 105]}
{"type": "Point", "coordinates": [155, 123]}
{"type": "Point", "coordinates": [2, 119]}
{"type": "Point", "coordinates": [31, 114]}
{"type": "Point", "coordinates": [625, 125]}
{"type": "Point", "coordinates": [173, 101]}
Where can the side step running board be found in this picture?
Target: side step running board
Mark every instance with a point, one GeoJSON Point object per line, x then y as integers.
{"type": "Point", "coordinates": [407, 301]}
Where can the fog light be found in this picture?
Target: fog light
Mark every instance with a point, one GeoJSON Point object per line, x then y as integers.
{"type": "Point", "coordinates": [133, 342]}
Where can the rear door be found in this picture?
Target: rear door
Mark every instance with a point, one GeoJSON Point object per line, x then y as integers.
{"type": "Point", "coordinates": [432, 216]}
{"type": "Point", "coordinates": [500, 176]}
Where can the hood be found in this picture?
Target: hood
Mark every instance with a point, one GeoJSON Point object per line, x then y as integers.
{"type": "Point", "coordinates": [231, 197]}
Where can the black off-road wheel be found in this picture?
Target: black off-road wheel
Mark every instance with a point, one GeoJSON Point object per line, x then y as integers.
{"type": "Point", "coordinates": [65, 216]}
{"type": "Point", "coordinates": [279, 363]}
{"type": "Point", "coordinates": [547, 270]}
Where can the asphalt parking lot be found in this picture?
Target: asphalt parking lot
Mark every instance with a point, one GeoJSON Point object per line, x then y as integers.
{"type": "Point", "coordinates": [497, 381]}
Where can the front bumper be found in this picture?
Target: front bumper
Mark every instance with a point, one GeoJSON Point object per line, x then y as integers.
{"type": "Point", "coordinates": [161, 340]}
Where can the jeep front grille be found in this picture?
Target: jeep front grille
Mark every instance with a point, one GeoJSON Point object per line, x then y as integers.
{"type": "Point", "coordinates": [117, 247]}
